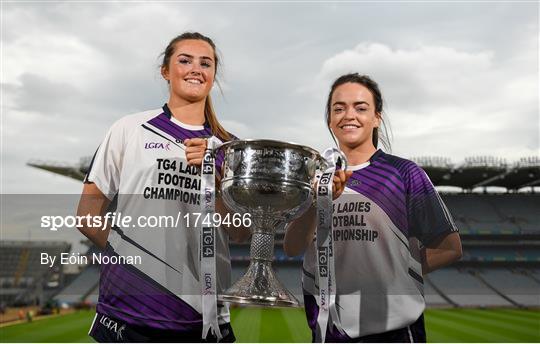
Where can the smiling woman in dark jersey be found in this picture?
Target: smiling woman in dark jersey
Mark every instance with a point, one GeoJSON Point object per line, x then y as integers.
{"type": "Point", "coordinates": [390, 228]}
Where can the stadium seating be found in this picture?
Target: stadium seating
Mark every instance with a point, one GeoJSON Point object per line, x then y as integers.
{"type": "Point", "coordinates": [499, 266]}
{"type": "Point", "coordinates": [504, 214]}
{"type": "Point", "coordinates": [291, 276]}
{"type": "Point", "coordinates": [433, 298]}
{"type": "Point", "coordinates": [516, 285]}
{"type": "Point", "coordinates": [23, 277]}
{"type": "Point", "coordinates": [472, 208]}
{"type": "Point", "coordinates": [503, 219]}
{"type": "Point", "coordinates": [465, 289]}
{"type": "Point", "coordinates": [500, 234]}
{"type": "Point", "coordinates": [81, 287]}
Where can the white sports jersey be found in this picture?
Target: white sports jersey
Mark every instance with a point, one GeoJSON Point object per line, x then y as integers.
{"type": "Point", "coordinates": [142, 161]}
{"type": "Point", "coordinates": [388, 209]}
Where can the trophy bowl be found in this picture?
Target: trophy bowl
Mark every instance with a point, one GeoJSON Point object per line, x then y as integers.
{"type": "Point", "coordinates": [273, 182]}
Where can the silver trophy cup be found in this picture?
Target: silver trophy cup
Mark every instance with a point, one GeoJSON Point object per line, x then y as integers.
{"type": "Point", "coordinates": [272, 181]}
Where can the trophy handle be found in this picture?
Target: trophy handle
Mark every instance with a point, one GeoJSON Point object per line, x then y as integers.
{"type": "Point", "coordinates": [344, 163]}
{"type": "Point", "coordinates": [341, 160]}
{"type": "Point", "coordinates": [324, 162]}
{"type": "Point", "coordinates": [216, 145]}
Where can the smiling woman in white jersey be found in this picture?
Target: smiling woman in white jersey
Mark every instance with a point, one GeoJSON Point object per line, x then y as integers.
{"type": "Point", "coordinates": [149, 163]}
{"type": "Point", "coordinates": [390, 227]}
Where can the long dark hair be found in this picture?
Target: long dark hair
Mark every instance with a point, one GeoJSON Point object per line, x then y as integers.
{"type": "Point", "coordinates": [373, 87]}
{"type": "Point", "coordinates": [209, 113]}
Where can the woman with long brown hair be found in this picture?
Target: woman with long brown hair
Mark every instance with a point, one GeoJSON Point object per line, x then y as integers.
{"type": "Point", "coordinates": [149, 164]}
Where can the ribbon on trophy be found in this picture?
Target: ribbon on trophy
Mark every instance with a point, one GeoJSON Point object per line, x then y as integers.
{"type": "Point", "coordinates": [325, 249]}
{"type": "Point", "coordinates": [207, 245]}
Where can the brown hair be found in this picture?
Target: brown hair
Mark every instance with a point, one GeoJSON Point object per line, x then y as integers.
{"type": "Point", "coordinates": [209, 113]}
{"type": "Point", "coordinates": [373, 87]}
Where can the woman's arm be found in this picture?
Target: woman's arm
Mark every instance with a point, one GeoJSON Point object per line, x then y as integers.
{"type": "Point", "coordinates": [94, 203]}
{"type": "Point", "coordinates": [441, 253]}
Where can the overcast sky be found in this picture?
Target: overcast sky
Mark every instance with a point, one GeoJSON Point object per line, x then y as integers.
{"type": "Point", "coordinates": [459, 79]}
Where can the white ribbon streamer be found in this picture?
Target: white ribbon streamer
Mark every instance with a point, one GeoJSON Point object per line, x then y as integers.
{"type": "Point", "coordinates": [208, 243]}
{"type": "Point", "coordinates": [325, 250]}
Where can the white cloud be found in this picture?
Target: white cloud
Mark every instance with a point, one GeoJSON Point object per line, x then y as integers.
{"type": "Point", "coordinates": [445, 101]}
{"type": "Point", "coordinates": [456, 81]}
{"type": "Point", "coordinates": [55, 57]}
{"type": "Point", "coordinates": [433, 74]}
{"type": "Point", "coordinates": [451, 78]}
{"type": "Point", "coordinates": [238, 129]}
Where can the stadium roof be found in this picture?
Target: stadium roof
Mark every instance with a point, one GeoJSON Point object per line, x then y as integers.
{"type": "Point", "coordinates": [34, 244]}
{"type": "Point", "coordinates": [65, 169]}
{"type": "Point", "coordinates": [480, 171]}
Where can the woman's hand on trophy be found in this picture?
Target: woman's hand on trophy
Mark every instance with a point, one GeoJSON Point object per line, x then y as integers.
{"type": "Point", "coordinates": [339, 182]}
{"type": "Point", "coordinates": [195, 150]}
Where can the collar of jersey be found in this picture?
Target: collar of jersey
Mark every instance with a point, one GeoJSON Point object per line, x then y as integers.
{"type": "Point", "coordinates": [169, 115]}
{"type": "Point", "coordinates": [374, 157]}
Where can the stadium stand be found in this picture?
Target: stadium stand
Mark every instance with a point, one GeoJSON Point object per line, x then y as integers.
{"type": "Point", "coordinates": [499, 213]}
{"type": "Point", "coordinates": [516, 285]}
{"type": "Point", "coordinates": [23, 278]}
{"type": "Point", "coordinates": [81, 287]}
{"type": "Point", "coordinates": [434, 296]}
{"type": "Point", "coordinates": [93, 296]}
{"type": "Point", "coordinates": [500, 232]}
{"type": "Point", "coordinates": [84, 287]}
{"type": "Point", "coordinates": [289, 275]}
{"type": "Point", "coordinates": [465, 289]}
{"type": "Point", "coordinates": [534, 274]}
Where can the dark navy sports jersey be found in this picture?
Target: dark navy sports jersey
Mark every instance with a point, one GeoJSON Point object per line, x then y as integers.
{"type": "Point", "coordinates": [388, 210]}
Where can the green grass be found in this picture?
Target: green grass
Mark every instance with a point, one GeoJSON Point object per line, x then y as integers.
{"type": "Point", "coordinates": [66, 328]}
{"type": "Point", "coordinates": [289, 325]}
{"type": "Point", "coordinates": [482, 325]}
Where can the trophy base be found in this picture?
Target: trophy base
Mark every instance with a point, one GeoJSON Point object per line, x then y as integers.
{"type": "Point", "coordinates": [259, 301]}
{"type": "Point", "coordinates": [259, 286]}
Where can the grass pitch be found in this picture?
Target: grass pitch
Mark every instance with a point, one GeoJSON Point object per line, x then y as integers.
{"type": "Point", "coordinates": [289, 325]}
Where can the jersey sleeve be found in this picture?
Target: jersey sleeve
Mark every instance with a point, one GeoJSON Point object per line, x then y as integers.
{"type": "Point", "coordinates": [106, 165]}
{"type": "Point", "coordinates": [427, 214]}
